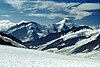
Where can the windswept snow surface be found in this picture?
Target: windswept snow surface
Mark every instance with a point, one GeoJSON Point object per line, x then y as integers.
{"type": "Point", "coordinates": [19, 57]}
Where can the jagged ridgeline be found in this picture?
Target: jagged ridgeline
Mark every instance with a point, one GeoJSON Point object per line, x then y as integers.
{"type": "Point", "coordinates": [62, 37]}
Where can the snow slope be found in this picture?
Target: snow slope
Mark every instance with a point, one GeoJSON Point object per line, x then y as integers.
{"type": "Point", "coordinates": [19, 57]}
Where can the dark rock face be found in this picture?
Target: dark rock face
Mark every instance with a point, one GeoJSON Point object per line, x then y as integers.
{"type": "Point", "coordinates": [43, 40]}
{"type": "Point", "coordinates": [11, 37]}
{"type": "Point", "coordinates": [20, 33]}
{"type": "Point", "coordinates": [4, 42]}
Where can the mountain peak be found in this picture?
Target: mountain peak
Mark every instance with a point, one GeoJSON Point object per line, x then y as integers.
{"type": "Point", "coordinates": [65, 20]}
{"type": "Point", "coordinates": [22, 21]}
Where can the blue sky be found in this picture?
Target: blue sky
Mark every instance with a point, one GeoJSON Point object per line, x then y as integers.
{"type": "Point", "coordinates": [51, 11]}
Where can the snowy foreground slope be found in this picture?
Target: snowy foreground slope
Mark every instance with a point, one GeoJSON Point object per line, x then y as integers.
{"type": "Point", "coordinates": [19, 57]}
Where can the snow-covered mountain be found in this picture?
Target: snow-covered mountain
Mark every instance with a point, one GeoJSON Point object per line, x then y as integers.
{"type": "Point", "coordinates": [30, 31]}
{"type": "Point", "coordinates": [65, 37]}
{"type": "Point", "coordinates": [6, 39]}
{"type": "Point", "coordinates": [26, 30]}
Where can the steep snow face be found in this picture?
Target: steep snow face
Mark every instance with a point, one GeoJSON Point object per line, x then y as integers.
{"type": "Point", "coordinates": [66, 24]}
{"type": "Point", "coordinates": [5, 25]}
{"type": "Point", "coordinates": [18, 57]}
{"type": "Point", "coordinates": [64, 20]}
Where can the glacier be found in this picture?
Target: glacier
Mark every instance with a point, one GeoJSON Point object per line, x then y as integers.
{"type": "Point", "coordinates": [19, 57]}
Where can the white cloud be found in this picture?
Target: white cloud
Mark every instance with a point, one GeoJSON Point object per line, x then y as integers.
{"type": "Point", "coordinates": [5, 15]}
{"type": "Point", "coordinates": [81, 11]}
{"type": "Point", "coordinates": [50, 16]}
{"type": "Point", "coordinates": [82, 14]}
{"type": "Point", "coordinates": [53, 6]}
{"type": "Point", "coordinates": [36, 4]}
{"type": "Point", "coordinates": [16, 3]}
{"type": "Point", "coordinates": [5, 24]}
{"type": "Point", "coordinates": [88, 6]}
{"type": "Point", "coordinates": [77, 10]}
